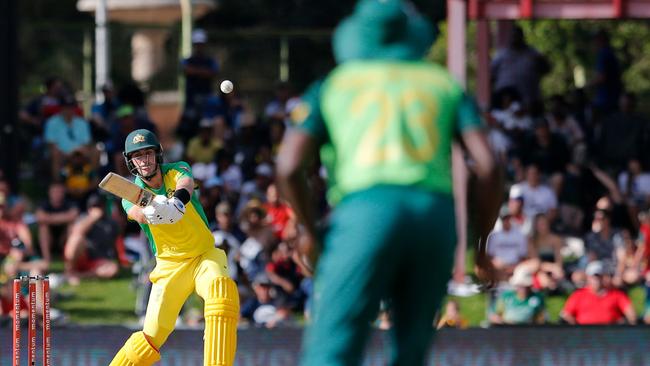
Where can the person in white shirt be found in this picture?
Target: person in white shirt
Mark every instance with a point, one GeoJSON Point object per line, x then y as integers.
{"type": "Point", "coordinates": [538, 197]}
{"type": "Point", "coordinates": [507, 246]}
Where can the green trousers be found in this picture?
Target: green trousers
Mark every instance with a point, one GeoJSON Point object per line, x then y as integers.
{"type": "Point", "coordinates": [387, 242]}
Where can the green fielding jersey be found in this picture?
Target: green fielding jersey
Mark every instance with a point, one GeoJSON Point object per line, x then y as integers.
{"type": "Point", "coordinates": [386, 122]}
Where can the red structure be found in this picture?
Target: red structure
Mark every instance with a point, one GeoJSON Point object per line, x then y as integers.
{"type": "Point", "coordinates": [482, 11]}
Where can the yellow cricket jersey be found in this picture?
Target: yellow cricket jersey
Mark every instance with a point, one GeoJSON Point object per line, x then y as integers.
{"type": "Point", "coordinates": [190, 236]}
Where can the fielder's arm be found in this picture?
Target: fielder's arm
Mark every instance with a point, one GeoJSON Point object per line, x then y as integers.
{"type": "Point", "coordinates": [294, 154]}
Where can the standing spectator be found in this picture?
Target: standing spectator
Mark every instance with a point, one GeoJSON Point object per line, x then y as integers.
{"type": "Point", "coordinates": [607, 82]}
{"type": "Point", "coordinates": [507, 246]}
{"type": "Point", "coordinates": [65, 133]}
{"type": "Point", "coordinates": [597, 303]}
{"type": "Point", "coordinates": [538, 197]}
{"type": "Point", "coordinates": [620, 136]}
{"type": "Point", "coordinates": [521, 305]}
{"type": "Point", "coordinates": [54, 218]}
{"type": "Point", "coordinates": [199, 70]}
{"type": "Point", "coordinates": [520, 66]}
{"type": "Point", "coordinates": [90, 248]}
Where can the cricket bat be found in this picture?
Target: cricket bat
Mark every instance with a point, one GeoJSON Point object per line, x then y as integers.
{"type": "Point", "coordinates": [126, 189]}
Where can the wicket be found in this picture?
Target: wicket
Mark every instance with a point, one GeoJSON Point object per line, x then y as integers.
{"type": "Point", "coordinates": [32, 281]}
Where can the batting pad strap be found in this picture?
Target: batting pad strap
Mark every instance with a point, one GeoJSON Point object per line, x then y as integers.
{"type": "Point", "coordinates": [139, 351]}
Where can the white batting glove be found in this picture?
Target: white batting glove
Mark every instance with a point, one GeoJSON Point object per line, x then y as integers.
{"type": "Point", "coordinates": [155, 211]}
{"type": "Point", "coordinates": [164, 211]}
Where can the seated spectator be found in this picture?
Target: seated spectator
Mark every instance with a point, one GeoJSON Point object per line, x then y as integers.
{"type": "Point", "coordinates": [646, 312]}
{"type": "Point", "coordinates": [507, 246]}
{"type": "Point", "coordinates": [256, 187]}
{"type": "Point", "coordinates": [452, 317]}
{"type": "Point", "coordinates": [203, 147]}
{"type": "Point", "coordinates": [547, 150]}
{"type": "Point", "coordinates": [628, 262]}
{"type": "Point", "coordinates": [90, 249]}
{"type": "Point", "coordinates": [538, 197]}
{"type": "Point", "coordinates": [510, 114]}
{"type": "Point", "coordinates": [79, 177]}
{"type": "Point", "coordinates": [54, 217]}
{"type": "Point", "coordinates": [634, 184]}
{"type": "Point", "coordinates": [16, 204]}
{"type": "Point", "coordinates": [597, 303]}
{"type": "Point", "coordinates": [226, 237]}
{"type": "Point", "coordinates": [563, 124]}
{"type": "Point", "coordinates": [602, 241]}
{"type": "Point", "coordinates": [644, 241]}
{"type": "Point", "coordinates": [264, 310]}
{"type": "Point", "coordinates": [285, 275]}
{"type": "Point", "coordinates": [16, 246]}
{"type": "Point", "coordinates": [521, 305]}
{"type": "Point", "coordinates": [64, 133]}
{"type": "Point", "coordinates": [259, 238]}
{"type": "Point", "coordinates": [229, 172]}
{"type": "Point", "coordinates": [518, 217]}
{"type": "Point", "coordinates": [278, 213]}
{"type": "Point", "coordinates": [545, 247]}
{"type": "Point", "coordinates": [103, 114]}
{"type": "Point", "coordinates": [543, 243]}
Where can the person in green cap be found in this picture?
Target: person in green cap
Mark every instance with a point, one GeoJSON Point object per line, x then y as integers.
{"type": "Point", "coordinates": [384, 120]}
{"type": "Point", "coordinates": [186, 259]}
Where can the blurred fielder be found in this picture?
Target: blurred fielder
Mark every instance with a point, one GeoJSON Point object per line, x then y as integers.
{"type": "Point", "coordinates": [186, 259]}
{"type": "Point", "coordinates": [384, 121]}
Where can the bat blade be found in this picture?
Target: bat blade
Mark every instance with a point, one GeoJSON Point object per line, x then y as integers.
{"type": "Point", "coordinates": [126, 189]}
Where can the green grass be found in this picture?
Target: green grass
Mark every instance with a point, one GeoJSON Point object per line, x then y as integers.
{"type": "Point", "coordinates": [97, 301]}
{"type": "Point", "coordinates": [113, 301]}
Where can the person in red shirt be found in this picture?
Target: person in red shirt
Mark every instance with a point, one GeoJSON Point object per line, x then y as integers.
{"type": "Point", "coordinates": [596, 303]}
{"type": "Point", "coordinates": [278, 213]}
{"type": "Point", "coordinates": [644, 241]}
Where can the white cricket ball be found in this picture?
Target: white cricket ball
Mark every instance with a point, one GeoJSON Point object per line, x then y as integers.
{"type": "Point", "coordinates": [226, 86]}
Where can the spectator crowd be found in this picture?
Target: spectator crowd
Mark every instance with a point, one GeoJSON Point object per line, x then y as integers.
{"type": "Point", "coordinates": [576, 220]}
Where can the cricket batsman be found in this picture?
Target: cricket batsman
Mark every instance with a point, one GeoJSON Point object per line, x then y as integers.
{"type": "Point", "coordinates": [384, 120]}
{"type": "Point", "coordinates": [186, 259]}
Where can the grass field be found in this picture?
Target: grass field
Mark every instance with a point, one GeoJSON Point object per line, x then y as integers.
{"type": "Point", "coordinates": [112, 302]}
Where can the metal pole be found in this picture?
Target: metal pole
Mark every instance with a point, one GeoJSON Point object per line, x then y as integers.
{"type": "Point", "coordinates": [102, 49]}
{"type": "Point", "coordinates": [186, 42]}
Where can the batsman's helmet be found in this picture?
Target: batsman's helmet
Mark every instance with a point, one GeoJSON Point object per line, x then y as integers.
{"type": "Point", "coordinates": [139, 140]}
